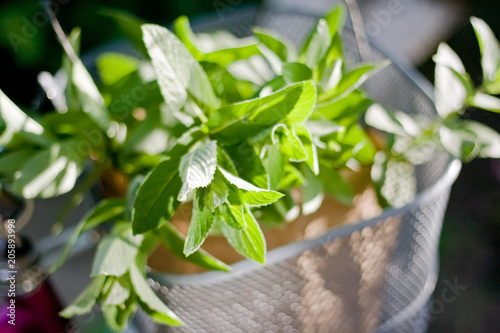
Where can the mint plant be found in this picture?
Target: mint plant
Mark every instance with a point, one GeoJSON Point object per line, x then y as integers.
{"type": "Point", "coordinates": [413, 141]}
{"type": "Point", "coordinates": [222, 130]}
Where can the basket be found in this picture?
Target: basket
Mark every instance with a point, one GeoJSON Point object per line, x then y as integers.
{"type": "Point", "coordinates": [372, 276]}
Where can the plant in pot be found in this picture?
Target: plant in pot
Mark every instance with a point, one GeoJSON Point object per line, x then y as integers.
{"type": "Point", "coordinates": [214, 146]}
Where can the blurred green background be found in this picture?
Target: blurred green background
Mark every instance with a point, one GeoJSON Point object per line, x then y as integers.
{"type": "Point", "coordinates": [470, 243]}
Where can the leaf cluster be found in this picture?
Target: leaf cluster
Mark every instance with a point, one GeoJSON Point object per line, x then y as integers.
{"type": "Point", "coordinates": [220, 130]}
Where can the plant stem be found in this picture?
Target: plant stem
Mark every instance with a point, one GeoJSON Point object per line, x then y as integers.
{"type": "Point", "coordinates": [359, 30]}
{"type": "Point", "coordinates": [61, 36]}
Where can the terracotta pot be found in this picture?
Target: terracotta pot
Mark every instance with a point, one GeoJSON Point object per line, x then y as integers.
{"type": "Point", "coordinates": [331, 214]}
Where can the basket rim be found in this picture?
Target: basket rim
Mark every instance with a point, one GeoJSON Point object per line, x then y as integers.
{"type": "Point", "coordinates": [288, 251]}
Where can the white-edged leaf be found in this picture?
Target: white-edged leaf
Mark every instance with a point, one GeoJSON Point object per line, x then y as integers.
{"type": "Point", "coordinates": [247, 163]}
{"type": "Point", "coordinates": [450, 92]}
{"type": "Point", "coordinates": [312, 192]}
{"type": "Point", "coordinates": [86, 299]}
{"type": "Point", "coordinates": [115, 255]}
{"type": "Point", "coordinates": [201, 223]}
{"type": "Point", "coordinates": [490, 49]}
{"type": "Point", "coordinates": [16, 121]}
{"type": "Point", "coordinates": [459, 142]}
{"type": "Point", "coordinates": [197, 168]}
{"type": "Point", "coordinates": [296, 72]}
{"type": "Point", "coordinates": [332, 75]}
{"type": "Point", "coordinates": [177, 71]}
{"type": "Point", "coordinates": [395, 122]}
{"type": "Point", "coordinates": [486, 102]}
{"type": "Point", "coordinates": [50, 172]}
{"type": "Point", "coordinates": [249, 242]}
{"type": "Point", "coordinates": [174, 241]}
{"type": "Point", "coordinates": [233, 215]}
{"type": "Point", "coordinates": [104, 211]}
{"type": "Point", "coordinates": [251, 194]}
{"type": "Point", "coordinates": [310, 147]}
{"type": "Point", "coordinates": [488, 139]}
{"type": "Point", "coordinates": [281, 48]}
{"type": "Point", "coordinates": [91, 100]}
{"type": "Point", "coordinates": [150, 303]}
{"type": "Point", "coordinates": [291, 146]}
{"type": "Point", "coordinates": [235, 123]}
{"type": "Point", "coordinates": [118, 292]}
{"type": "Point", "coordinates": [156, 199]}
{"type": "Point", "coordinates": [317, 44]}
{"type": "Point", "coordinates": [351, 81]}
{"type": "Point", "coordinates": [447, 57]}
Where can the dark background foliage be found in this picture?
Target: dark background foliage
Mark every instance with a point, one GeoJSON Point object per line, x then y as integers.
{"type": "Point", "coordinates": [470, 241]}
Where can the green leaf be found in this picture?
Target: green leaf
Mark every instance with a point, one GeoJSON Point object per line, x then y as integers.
{"type": "Point", "coordinates": [292, 178]}
{"type": "Point", "coordinates": [226, 56]}
{"type": "Point", "coordinates": [459, 141]}
{"type": "Point", "coordinates": [310, 148]}
{"type": "Point", "coordinates": [133, 188]}
{"type": "Point", "coordinates": [130, 26]}
{"type": "Point", "coordinates": [335, 53]}
{"type": "Point", "coordinates": [247, 163]}
{"type": "Point", "coordinates": [88, 97]}
{"type": "Point", "coordinates": [296, 72]}
{"type": "Point", "coordinates": [312, 192]}
{"type": "Point", "coordinates": [275, 44]}
{"type": "Point", "coordinates": [197, 168]}
{"type": "Point", "coordinates": [174, 241]}
{"type": "Point", "coordinates": [178, 73]}
{"type": "Point", "coordinates": [250, 194]}
{"type": "Point", "coordinates": [323, 127]}
{"type": "Point", "coordinates": [249, 242]}
{"type": "Point", "coordinates": [13, 161]}
{"type": "Point", "coordinates": [335, 185]}
{"type": "Point", "coordinates": [183, 31]}
{"type": "Point", "coordinates": [392, 122]}
{"type": "Point", "coordinates": [233, 215]}
{"type": "Point", "coordinates": [486, 102]}
{"type": "Point", "coordinates": [450, 92]}
{"type": "Point", "coordinates": [487, 138]}
{"type": "Point", "coordinates": [149, 137]}
{"type": "Point", "coordinates": [50, 172]}
{"type": "Point", "coordinates": [490, 50]}
{"type": "Point", "coordinates": [352, 80]}
{"type": "Point", "coordinates": [113, 67]}
{"type": "Point", "coordinates": [115, 255]}
{"type": "Point", "coordinates": [118, 292]}
{"type": "Point", "coordinates": [86, 299]}
{"type": "Point", "coordinates": [149, 302]}
{"type": "Point", "coordinates": [331, 76]}
{"type": "Point", "coordinates": [225, 161]}
{"type": "Point", "coordinates": [201, 223]}
{"type": "Point", "coordinates": [378, 174]}
{"type": "Point", "coordinates": [220, 47]}
{"type": "Point", "coordinates": [14, 121]}
{"type": "Point", "coordinates": [335, 19]}
{"type": "Point", "coordinates": [157, 197]}
{"type": "Point", "coordinates": [105, 211]}
{"type": "Point", "coordinates": [214, 194]}
{"type": "Point", "coordinates": [351, 105]}
{"type": "Point", "coordinates": [316, 46]}
{"type": "Point", "coordinates": [290, 145]}
{"type": "Point", "coordinates": [235, 123]}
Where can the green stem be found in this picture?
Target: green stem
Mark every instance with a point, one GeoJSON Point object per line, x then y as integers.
{"type": "Point", "coordinates": [78, 195]}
